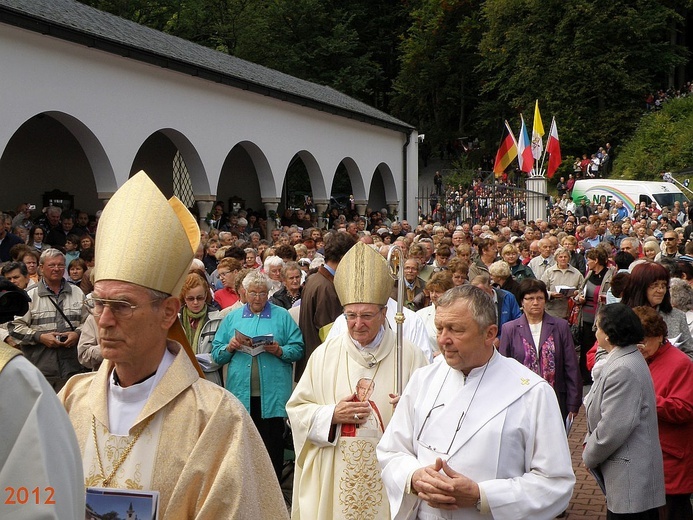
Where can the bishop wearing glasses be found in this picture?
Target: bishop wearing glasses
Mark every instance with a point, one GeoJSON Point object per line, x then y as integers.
{"type": "Point", "coordinates": [344, 399]}
{"type": "Point", "coordinates": [478, 435]}
{"type": "Point", "coordinates": [148, 419]}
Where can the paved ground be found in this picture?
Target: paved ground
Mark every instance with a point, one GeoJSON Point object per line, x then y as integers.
{"type": "Point", "coordinates": [588, 501]}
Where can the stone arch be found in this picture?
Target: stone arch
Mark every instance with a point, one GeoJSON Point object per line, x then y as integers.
{"type": "Point", "coordinates": [155, 156]}
{"type": "Point", "coordinates": [55, 150]}
{"type": "Point", "coordinates": [246, 174]}
{"type": "Point", "coordinates": [383, 190]}
{"type": "Point", "coordinates": [388, 182]}
{"type": "Point", "coordinates": [358, 187]}
{"type": "Point", "coordinates": [315, 175]}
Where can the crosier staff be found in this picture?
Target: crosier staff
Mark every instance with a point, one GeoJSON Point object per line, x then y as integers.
{"type": "Point", "coordinates": [396, 266]}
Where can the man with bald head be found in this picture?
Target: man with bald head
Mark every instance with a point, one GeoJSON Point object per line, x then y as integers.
{"type": "Point", "coordinates": [457, 238]}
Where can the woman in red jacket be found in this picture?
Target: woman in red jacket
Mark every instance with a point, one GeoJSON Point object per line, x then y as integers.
{"type": "Point", "coordinates": [672, 375]}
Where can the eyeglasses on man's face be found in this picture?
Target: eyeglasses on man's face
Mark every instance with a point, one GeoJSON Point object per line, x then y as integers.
{"type": "Point", "coordinates": [366, 316]}
{"type": "Point", "coordinates": [121, 309]}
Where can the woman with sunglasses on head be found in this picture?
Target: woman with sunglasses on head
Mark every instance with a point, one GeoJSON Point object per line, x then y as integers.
{"type": "Point", "coordinates": [200, 322]}
{"type": "Point", "coordinates": [649, 285]}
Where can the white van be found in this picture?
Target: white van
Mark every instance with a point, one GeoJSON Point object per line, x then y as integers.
{"type": "Point", "coordinates": [632, 193]}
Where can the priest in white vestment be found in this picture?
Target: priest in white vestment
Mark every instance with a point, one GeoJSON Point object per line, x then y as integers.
{"type": "Point", "coordinates": [479, 436]}
{"type": "Point", "coordinates": [39, 481]}
{"type": "Point", "coordinates": [148, 419]}
{"type": "Point", "coordinates": [345, 397]}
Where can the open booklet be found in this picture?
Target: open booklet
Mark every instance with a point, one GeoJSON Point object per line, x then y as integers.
{"type": "Point", "coordinates": [253, 346]}
{"type": "Point", "coordinates": [565, 290]}
{"type": "Point", "coordinates": [126, 503]}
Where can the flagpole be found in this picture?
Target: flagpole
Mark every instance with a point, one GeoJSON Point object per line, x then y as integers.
{"type": "Point", "coordinates": [538, 131]}
{"type": "Point", "coordinates": [543, 156]}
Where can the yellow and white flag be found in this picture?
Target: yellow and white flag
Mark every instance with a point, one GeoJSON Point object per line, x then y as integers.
{"type": "Point", "coordinates": [537, 134]}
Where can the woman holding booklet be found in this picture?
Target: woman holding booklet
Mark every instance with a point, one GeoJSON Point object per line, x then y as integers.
{"type": "Point", "coordinates": [563, 282]}
{"type": "Point", "coordinates": [260, 341]}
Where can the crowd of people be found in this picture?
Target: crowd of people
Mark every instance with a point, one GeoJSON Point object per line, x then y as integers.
{"type": "Point", "coordinates": [298, 325]}
{"type": "Point", "coordinates": [489, 196]}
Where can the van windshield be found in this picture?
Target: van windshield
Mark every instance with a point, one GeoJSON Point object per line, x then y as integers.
{"type": "Point", "coordinates": [668, 199]}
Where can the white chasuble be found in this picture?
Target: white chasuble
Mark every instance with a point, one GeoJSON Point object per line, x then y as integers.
{"type": "Point", "coordinates": [337, 475]}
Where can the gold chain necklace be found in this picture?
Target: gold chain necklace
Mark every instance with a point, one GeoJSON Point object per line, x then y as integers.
{"type": "Point", "coordinates": [107, 479]}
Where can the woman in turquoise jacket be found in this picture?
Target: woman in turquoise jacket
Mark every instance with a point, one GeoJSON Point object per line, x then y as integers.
{"type": "Point", "coordinates": [262, 382]}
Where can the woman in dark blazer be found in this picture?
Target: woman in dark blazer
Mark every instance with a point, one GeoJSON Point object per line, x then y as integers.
{"type": "Point", "coordinates": [544, 344]}
{"type": "Point", "coordinates": [622, 443]}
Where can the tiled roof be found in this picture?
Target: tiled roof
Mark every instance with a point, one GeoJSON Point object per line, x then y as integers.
{"type": "Point", "coordinates": [76, 22]}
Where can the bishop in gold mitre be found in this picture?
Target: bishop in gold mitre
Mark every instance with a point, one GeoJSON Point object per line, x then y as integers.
{"type": "Point", "coordinates": [147, 420]}
{"type": "Point", "coordinates": [342, 403]}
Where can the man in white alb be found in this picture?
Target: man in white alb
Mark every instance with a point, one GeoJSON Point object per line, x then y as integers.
{"type": "Point", "coordinates": [479, 435]}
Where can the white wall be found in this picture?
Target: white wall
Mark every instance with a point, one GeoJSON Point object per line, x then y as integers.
{"type": "Point", "coordinates": [114, 105]}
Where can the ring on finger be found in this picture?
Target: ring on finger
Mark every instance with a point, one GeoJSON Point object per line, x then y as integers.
{"type": "Point", "coordinates": [356, 416]}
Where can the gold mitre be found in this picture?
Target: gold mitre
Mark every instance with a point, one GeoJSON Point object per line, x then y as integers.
{"type": "Point", "coordinates": [363, 277]}
{"type": "Point", "coordinates": [145, 239]}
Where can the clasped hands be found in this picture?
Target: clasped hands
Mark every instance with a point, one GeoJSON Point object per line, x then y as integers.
{"type": "Point", "coordinates": [443, 488]}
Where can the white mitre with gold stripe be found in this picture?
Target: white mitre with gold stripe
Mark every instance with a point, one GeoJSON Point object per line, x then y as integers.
{"type": "Point", "coordinates": [145, 239]}
{"type": "Point", "coordinates": [363, 277]}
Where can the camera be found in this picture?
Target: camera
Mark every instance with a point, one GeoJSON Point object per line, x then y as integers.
{"type": "Point", "coordinates": [62, 338]}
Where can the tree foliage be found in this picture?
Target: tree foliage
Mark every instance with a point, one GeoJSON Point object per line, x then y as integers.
{"type": "Point", "coordinates": [454, 68]}
{"type": "Point", "coordinates": [590, 62]}
{"type": "Point", "coordinates": [662, 142]}
{"type": "Point", "coordinates": [436, 87]}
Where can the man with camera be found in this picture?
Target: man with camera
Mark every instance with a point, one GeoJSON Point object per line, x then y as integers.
{"type": "Point", "coordinates": [48, 333]}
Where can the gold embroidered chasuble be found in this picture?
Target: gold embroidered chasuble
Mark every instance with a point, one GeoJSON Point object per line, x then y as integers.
{"type": "Point", "coordinates": [341, 479]}
{"type": "Point", "coordinates": [200, 449]}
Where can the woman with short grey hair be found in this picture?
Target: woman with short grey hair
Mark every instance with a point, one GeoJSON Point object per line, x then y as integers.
{"type": "Point", "coordinates": [682, 299]}
{"type": "Point", "coordinates": [262, 381]}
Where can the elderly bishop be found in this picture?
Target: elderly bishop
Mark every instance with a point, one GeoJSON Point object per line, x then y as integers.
{"type": "Point", "coordinates": [343, 401]}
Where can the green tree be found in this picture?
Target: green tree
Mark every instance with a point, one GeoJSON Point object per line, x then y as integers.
{"type": "Point", "coordinates": [591, 62]}
{"type": "Point", "coordinates": [312, 40]}
{"type": "Point", "coordinates": [662, 142]}
{"type": "Point", "coordinates": [436, 88]}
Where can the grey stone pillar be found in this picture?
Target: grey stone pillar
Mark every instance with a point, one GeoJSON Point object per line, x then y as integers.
{"type": "Point", "coordinates": [204, 207]}
{"type": "Point", "coordinates": [536, 197]}
{"type": "Point", "coordinates": [104, 197]}
{"type": "Point", "coordinates": [271, 205]}
{"type": "Point", "coordinates": [392, 210]}
{"type": "Point", "coordinates": [361, 206]}
{"type": "Point", "coordinates": [321, 207]}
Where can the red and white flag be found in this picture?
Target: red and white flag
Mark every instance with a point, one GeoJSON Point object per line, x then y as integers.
{"type": "Point", "coordinates": [553, 148]}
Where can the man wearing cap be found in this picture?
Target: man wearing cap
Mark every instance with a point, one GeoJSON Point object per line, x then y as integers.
{"type": "Point", "coordinates": [147, 419]}
{"type": "Point", "coordinates": [336, 473]}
